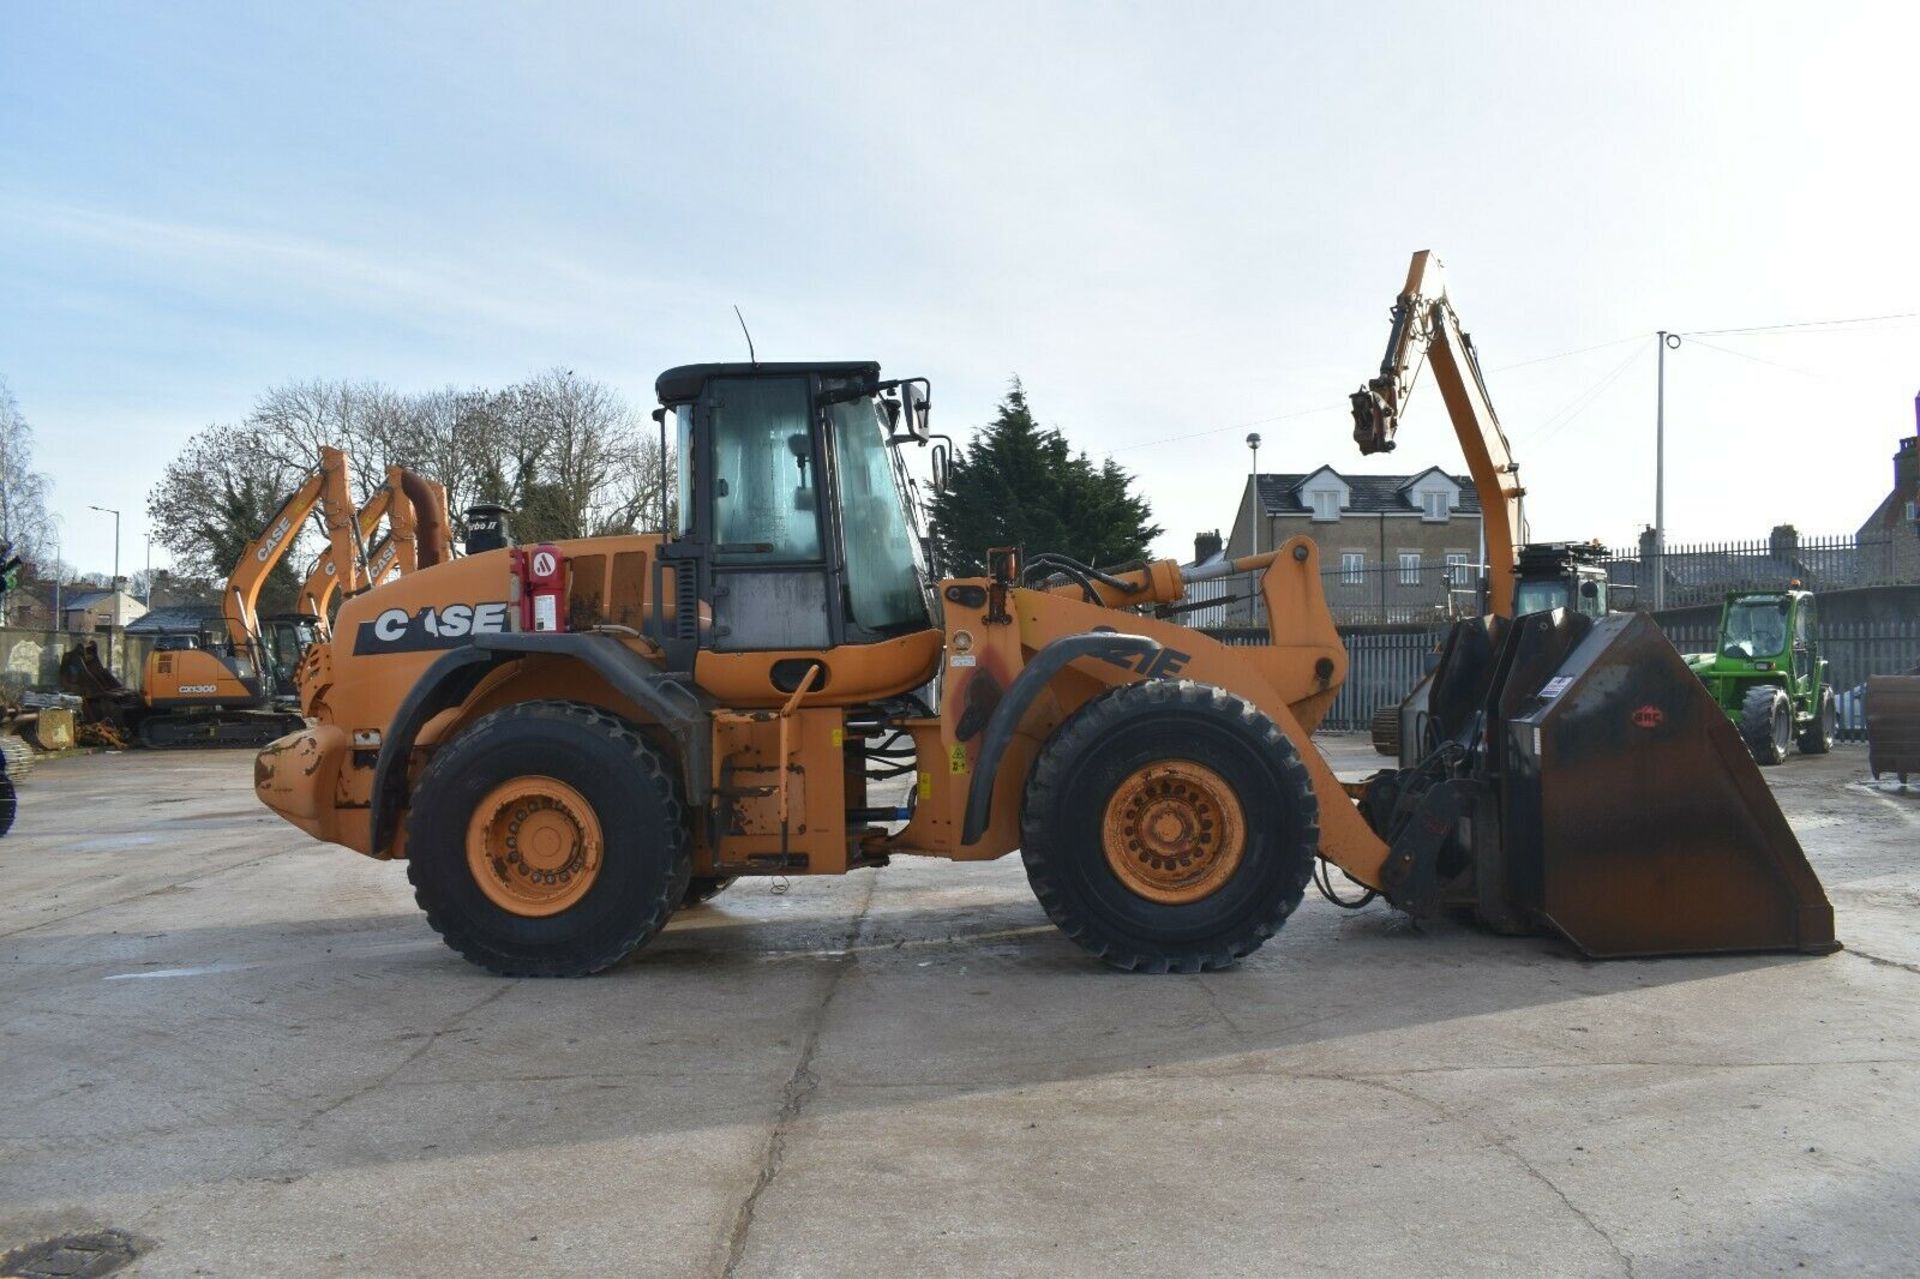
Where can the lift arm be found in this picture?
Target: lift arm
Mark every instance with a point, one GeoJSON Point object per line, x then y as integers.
{"type": "Point", "coordinates": [327, 488]}
{"type": "Point", "coordinates": [1425, 326]}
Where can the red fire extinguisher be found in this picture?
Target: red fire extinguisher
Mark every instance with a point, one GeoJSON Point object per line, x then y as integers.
{"type": "Point", "coordinates": [542, 575]}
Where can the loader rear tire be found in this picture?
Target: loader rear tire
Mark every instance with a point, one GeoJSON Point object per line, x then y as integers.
{"type": "Point", "coordinates": [592, 792]}
{"type": "Point", "coordinates": [1169, 826]}
{"type": "Point", "coordinates": [704, 888]}
{"type": "Point", "coordinates": [1766, 723]}
{"type": "Point", "coordinates": [1818, 739]}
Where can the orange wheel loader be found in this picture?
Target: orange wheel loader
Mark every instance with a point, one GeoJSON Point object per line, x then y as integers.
{"type": "Point", "coordinates": [568, 741]}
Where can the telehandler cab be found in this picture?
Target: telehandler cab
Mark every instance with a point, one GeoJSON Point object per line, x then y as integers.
{"type": "Point", "coordinates": [566, 741]}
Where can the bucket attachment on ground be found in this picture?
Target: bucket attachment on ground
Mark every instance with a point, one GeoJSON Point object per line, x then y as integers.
{"type": "Point", "coordinates": [1893, 725]}
{"type": "Point", "coordinates": [1582, 779]}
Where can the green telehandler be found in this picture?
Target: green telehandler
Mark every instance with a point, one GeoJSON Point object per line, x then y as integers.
{"type": "Point", "coordinates": [1768, 675]}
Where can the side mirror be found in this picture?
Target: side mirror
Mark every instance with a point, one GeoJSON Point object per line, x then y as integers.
{"type": "Point", "coordinates": [942, 468]}
{"type": "Point", "coordinates": [1590, 589]}
{"type": "Point", "coordinates": [918, 394]}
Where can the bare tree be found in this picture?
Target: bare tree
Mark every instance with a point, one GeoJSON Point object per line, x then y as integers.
{"type": "Point", "coordinates": [24, 519]}
{"type": "Point", "coordinates": [217, 495]}
{"type": "Point", "coordinates": [567, 454]}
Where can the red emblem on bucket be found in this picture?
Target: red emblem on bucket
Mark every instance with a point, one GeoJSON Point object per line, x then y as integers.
{"type": "Point", "coordinates": [1648, 717]}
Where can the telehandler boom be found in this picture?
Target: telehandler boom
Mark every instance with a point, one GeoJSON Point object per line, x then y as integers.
{"type": "Point", "coordinates": [569, 740]}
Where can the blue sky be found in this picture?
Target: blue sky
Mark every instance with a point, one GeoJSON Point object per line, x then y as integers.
{"type": "Point", "coordinates": [1171, 221]}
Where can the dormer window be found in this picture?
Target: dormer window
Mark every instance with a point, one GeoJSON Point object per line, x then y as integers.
{"type": "Point", "coordinates": [1326, 506]}
{"type": "Point", "coordinates": [1433, 507]}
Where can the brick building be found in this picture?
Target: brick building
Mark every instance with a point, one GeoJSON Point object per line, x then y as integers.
{"type": "Point", "coordinates": [1896, 521]}
{"type": "Point", "coordinates": [1395, 544]}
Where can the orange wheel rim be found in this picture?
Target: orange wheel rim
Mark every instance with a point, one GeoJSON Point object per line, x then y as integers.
{"type": "Point", "coordinates": [534, 846]}
{"type": "Point", "coordinates": [1174, 832]}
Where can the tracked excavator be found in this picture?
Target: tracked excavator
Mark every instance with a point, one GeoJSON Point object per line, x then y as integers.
{"type": "Point", "coordinates": [567, 741]}
{"type": "Point", "coordinates": [230, 684]}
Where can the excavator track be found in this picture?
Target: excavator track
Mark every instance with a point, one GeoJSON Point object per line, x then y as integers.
{"type": "Point", "coordinates": [188, 732]}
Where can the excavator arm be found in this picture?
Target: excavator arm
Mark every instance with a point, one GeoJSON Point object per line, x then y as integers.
{"type": "Point", "coordinates": [1427, 329]}
{"type": "Point", "coordinates": [325, 487]}
{"type": "Point", "coordinates": [393, 553]}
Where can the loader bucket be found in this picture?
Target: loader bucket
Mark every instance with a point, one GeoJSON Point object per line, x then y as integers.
{"type": "Point", "coordinates": [1632, 819]}
{"type": "Point", "coordinates": [1893, 725]}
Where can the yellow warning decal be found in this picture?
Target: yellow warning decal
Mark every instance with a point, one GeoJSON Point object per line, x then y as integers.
{"type": "Point", "coordinates": [838, 737]}
{"type": "Point", "coordinates": [957, 759]}
{"type": "Point", "coordinates": [926, 786]}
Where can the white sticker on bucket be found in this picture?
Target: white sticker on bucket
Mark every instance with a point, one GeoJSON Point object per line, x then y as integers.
{"type": "Point", "coordinates": [1556, 686]}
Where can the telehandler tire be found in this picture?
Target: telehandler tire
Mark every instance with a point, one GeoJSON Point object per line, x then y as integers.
{"type": "Point", "coordinates": [1818, 737]}
{"type": "Point", "coordinates": [1766, 723]}
{"type": "Point", "coordinates": [704, 888]}
{"type": "Point", "coordinates": [1169, 825]}
{"type": "Point", "coordinates": [548, 840]}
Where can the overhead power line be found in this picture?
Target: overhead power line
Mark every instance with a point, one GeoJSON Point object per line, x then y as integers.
{"type": "Point", "coordinates": [1802, 324]}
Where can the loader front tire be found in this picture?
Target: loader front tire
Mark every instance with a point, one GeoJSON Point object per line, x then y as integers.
{"type": "Point", "coordinates": [547, 840]}
{"type": "Point", "coordinates": [1766, 723]}
{"type": "Point", "coordinates": [1169, 826]}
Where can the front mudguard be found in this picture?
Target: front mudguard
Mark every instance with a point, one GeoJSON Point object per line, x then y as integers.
{"type": "Point", "coordinates": [298, 777]}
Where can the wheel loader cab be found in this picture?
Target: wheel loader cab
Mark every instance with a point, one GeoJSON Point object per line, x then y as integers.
{"type": "Point", "coordinates": [797, 530]}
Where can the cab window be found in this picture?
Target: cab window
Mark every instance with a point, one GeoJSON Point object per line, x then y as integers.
{"type": "Point", "coordinates": [765, 507]}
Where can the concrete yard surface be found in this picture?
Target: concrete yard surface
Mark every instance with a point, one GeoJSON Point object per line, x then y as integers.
{"type": "Point", "coordinates": [246, 1050]}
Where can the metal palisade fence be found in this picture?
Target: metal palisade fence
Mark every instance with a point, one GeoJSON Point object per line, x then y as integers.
{"type": "Point", "coordinates": [1383, 666]}
{"type": "Point", "coordinates": [1703, 572]}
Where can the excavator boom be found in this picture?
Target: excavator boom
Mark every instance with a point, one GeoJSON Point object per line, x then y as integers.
{"type": "Point", "coordinates": [326, 487]}
{"type": "Point", "coordinates": [396, 553]}
{"type": "Point", "coordinates": [1427, 329]}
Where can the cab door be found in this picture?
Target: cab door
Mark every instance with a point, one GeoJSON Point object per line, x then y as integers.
{"type": "Point", "coordinates": [769, 579]}
{"type": "Point", "coordinates": [1803, 676]}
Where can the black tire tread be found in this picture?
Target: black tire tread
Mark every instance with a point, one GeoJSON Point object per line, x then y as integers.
{"type": "Point", "coordinates": [651, 769]}
{"type": "Point", "coordinates": [1816, 740]}
{"type": "Point", "coordinates": [1091, 723]}
{"type": "Point", "coordinates": [1756, 722]}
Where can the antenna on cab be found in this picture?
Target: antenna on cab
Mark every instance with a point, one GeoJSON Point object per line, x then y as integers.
{"type": "Point", "coordinates": [743, 328]}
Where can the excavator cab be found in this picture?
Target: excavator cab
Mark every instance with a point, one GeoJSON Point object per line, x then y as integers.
{"type": "Point", "coordinates": [284, 638]}
{"type": "Point", "coordinates": [797, 531]}
{"type": "Point", "coordinates": [1563, 575]}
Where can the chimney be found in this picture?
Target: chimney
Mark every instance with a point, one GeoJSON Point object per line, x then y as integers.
{"type": "Point", "coordinates": [1646, 542]}
{"type": "Point", "coordinates": [1783, 543]}
{"type": "Point", "coordinates": [1206, 546]}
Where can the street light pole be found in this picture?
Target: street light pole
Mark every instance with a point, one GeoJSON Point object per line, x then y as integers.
{"type": "Point", "coordinates": [1668, 342]}
{"type": "Point", "coordinates": [114, 585]}
{"type": "Point", "coordinates": [1253, 444]}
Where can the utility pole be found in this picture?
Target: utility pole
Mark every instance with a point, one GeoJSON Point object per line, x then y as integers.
{"type": "Point", "coordinates": [1668, 342]}
{"type": "Point", "coordinates": [115, 583]}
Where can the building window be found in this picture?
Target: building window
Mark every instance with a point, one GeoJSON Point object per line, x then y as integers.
{"type": "Point", "coordinates": [1353, 568]}
{"type": "Point", "coordinates": [1326, 506]}
{"type": "Point", "coordinates": [1433, 507]}
{"type": "Point", "coordinates": [1457, 570]}
{"type": "Point", "coordinates": [1409, 568]}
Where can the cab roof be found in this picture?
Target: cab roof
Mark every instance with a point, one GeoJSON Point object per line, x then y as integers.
{"type": "Point", "coordinates": [677, 385]}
